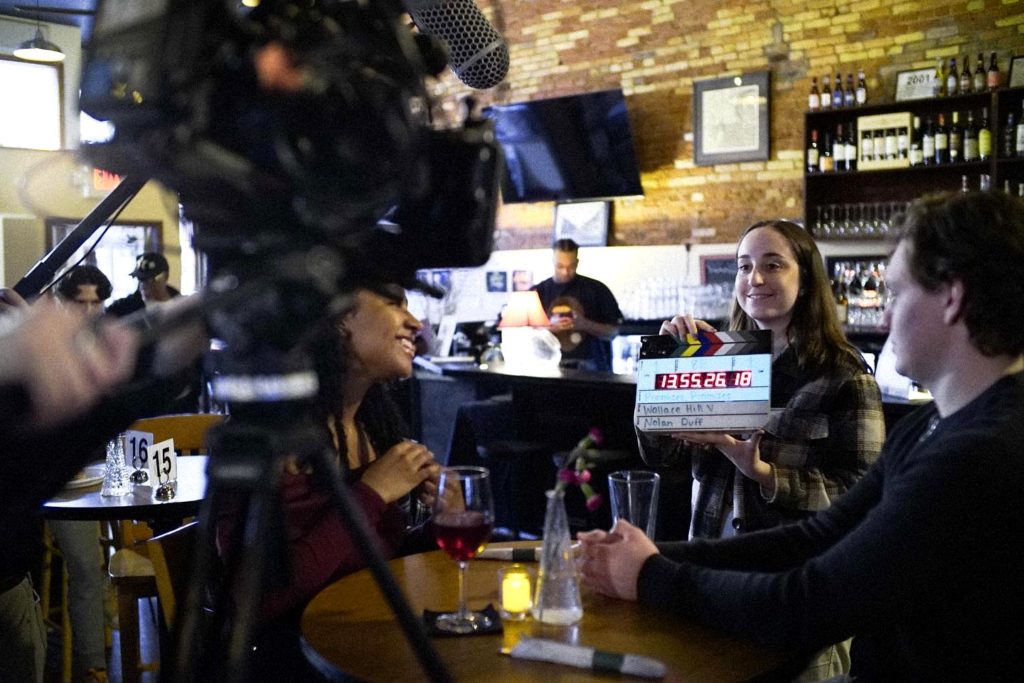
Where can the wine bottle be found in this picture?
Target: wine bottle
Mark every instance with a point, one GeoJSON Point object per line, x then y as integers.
{"type": "Point", "coordinates": [826, 93]}
{"type": "Point", "coordinates": [814, 98]}
{"type": "Point", "coordinates": [837, 91]}
{"type": "Point", "coordinates": [939, 79]}
{"type": "Point", "coordinates": [970, 138]}
{"type": "Point", "coordinates": [916, 151]}
{"type": "Point", "coordinates": [879, 143]}
{"type": "Point", "coordinates": [984, 137]}
{"type": "Point", "coordinates": [890, 143]}
{"type": "Point", "coordinates": [825, 157]}
{"type": "Point", "coordinates": [849, 94]}
{"type": "Point", "coordinates": [992, 78]}
{"type": "Point", "coordinates": [839, 149]}
{"type": "Point", "coordinates": [1019, 147]}
{"type": "Point", "coordinates": [867, 146]}
{"type": "Point", "coordinates": [813, 153]}
{"type": "Point", "coordinates": [928, 142]}
{"type": "Point", "coordinates": [956, 145]}
{"type": "Point", "coordinates": [952, 78]}
{"type": "Point", "coordinates": [902, 143]}
{"type": "Point", "coordinates": [862, 89]}
{"type": "Point", "coordinates": [850, 153]}
{"type": "Point", "coordinates": [966, 82]}
{"type": "Point", "coordinates": [941, 140]}
{"type": "Point", "coordinates": [978, 83]}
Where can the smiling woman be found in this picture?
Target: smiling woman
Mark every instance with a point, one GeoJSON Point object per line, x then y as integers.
{"type": "Point", "coordinates": [826, 425]}
{"type": "Point", "coordinates": [358, 353]}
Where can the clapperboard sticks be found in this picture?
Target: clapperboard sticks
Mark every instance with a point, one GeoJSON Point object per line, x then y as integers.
{"type": "Point", "coordinates": [715, 381]}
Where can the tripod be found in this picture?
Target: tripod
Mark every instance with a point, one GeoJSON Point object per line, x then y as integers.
{"type": "Point", "coordinates": [246, 460]}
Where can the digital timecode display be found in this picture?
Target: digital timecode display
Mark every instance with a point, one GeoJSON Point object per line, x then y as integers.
{"type": "Point", "coordinates": [725, 379]}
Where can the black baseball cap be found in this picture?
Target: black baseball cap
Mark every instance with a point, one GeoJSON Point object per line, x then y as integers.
{"type": "Point", "coordinates": [150, 264]}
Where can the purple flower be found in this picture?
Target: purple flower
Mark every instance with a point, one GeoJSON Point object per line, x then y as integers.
{"type": "Point", "coordinates": [583, 476]}
{"type": "Point", "coordinates": [594, 502]}
{"type": "Point", "coordinates": [567, 476]}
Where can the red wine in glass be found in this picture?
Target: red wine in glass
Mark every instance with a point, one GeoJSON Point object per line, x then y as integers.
{"type": "Point", "coordinates": [462, 520]}
{"type": "Point", "coordinates": [461, 534]}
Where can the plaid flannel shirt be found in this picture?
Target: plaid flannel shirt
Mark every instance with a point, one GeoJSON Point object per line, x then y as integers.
{"type": "Point", "coordinates": [823, 434]}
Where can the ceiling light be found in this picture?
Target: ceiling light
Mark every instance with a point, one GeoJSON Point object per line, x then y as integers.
{"type": "Point", "coordinates": [39, 49]}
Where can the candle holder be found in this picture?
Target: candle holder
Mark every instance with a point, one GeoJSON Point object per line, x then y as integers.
{"type": "Point", "coordinates": [515, 591]}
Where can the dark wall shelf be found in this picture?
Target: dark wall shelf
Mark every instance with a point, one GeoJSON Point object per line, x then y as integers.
{"type": "Point", "coordinates": [848, 188]}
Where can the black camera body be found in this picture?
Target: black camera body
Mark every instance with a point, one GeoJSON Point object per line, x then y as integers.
{"type": "Point", "coordinates": [262, 168]}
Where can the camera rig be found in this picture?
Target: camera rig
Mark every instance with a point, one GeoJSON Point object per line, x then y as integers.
{"type": "Point", "coordinates": [298, 137]}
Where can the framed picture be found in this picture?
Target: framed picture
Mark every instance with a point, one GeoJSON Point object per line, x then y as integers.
{"type": "Point", "coordinates": [522, 280]}
{"type": "Point", "coordinates": [913, 85]}
{"type": "Point", "coordinates": [730, 119]}
{"type": "Point", "coordinates": [1016, 71]}
{"type": "Point", "coordinates": [718, 269]}
{"type": "Point", "coordinates": [586, 223]}
{"type": "Point", "coordinates": [497, 281]}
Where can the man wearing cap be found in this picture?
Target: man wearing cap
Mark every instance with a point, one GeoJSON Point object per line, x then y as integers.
{"type": "Point", "coordinates": [152, 271]}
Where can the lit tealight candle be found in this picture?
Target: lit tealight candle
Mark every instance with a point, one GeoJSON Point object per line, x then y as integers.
{"type": "Point", "coordinates": [516, 591]}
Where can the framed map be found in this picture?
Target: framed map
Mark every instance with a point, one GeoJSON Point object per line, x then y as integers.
{"type": "Point", "coordinates": [730, 119]}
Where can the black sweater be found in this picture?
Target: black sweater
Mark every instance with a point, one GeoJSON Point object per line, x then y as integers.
{"type": "Point", "coordinates": [921, 560]}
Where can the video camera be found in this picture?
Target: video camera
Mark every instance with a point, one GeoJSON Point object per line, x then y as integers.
{"type": "Point", "coordinates": [315, 150]}
{"type": "Point", "coordinates": [297, 135]}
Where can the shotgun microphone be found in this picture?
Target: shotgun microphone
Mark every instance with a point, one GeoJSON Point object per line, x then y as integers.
{"type": "Point", "coordinates": [477, 53]}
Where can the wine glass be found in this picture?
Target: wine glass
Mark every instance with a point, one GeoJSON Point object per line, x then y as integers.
{"type": "Point", "coordinates": [462, 520]}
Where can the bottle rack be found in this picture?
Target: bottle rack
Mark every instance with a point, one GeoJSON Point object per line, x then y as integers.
{"type": "Point", "coordinates": [900, 185]}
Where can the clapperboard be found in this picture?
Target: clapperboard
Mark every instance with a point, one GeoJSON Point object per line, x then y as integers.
{"type": "Point", "coordinates": [716, 381]}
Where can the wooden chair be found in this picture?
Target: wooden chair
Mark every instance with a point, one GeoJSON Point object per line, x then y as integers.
{"type": "Point", "coordinates": [131, 570]}
{"type": "Point", "coordinates": [171, 555]}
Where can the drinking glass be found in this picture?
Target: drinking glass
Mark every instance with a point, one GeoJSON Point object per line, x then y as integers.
{"type": "Point", "coordinates": [462, 521]}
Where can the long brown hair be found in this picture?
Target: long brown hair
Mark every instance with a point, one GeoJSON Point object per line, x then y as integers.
{"type": "Point", "coordinates": [814, 330]}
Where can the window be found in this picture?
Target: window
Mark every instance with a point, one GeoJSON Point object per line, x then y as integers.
{"type": "Point", "coordinates": [32, 118]}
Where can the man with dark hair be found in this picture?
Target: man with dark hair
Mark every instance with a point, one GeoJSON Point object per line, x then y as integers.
{"type": "Point", "coordinates": [587, 315]}
{"type": "Point", "coordinates": [152, 272]}
{"type": "Point", "coordinates": [920, 560]}
{"type": "Point", "coordinates": [85, 286]}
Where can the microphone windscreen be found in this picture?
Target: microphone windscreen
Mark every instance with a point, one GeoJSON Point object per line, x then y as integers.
{"type": "Point", "coordinates": [477, 53]}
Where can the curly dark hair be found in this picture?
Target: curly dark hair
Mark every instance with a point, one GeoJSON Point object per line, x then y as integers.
{"type": "Point", "coordinates": [977, 238]}
{"type": "Point", "coordinates": [378, 414]}
{"type": "Point", "coordinates": [815, 333]}
{"type": "Point", "coordinates": [67, 288]}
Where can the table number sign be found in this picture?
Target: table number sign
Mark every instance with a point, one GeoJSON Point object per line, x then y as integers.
{"type": "Point", "coordinates": [716, 381]}
{"type": "Point", "coordinates": [163, 469]}
{"type": "Point", "coordinates": [136, 455]}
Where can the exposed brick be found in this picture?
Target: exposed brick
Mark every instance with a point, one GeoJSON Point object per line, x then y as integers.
{"type": "Point", "coordinates": [656, 49]}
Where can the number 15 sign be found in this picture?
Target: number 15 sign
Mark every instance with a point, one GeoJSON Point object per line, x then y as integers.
{"type": "Point", "coordinates": [716, 382]}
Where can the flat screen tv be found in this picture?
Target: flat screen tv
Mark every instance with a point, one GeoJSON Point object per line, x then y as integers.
{"type": "Point", "coordinates": [565, 149]}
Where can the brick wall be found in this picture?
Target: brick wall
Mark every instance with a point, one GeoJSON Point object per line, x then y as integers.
{"type": "Point", "coordinates": [655, 49]}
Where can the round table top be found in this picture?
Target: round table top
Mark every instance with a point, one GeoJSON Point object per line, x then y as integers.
{"type": "Point", "coordinates": [350, 625]}
{"type": "Point", "coordinates": [86, 503]}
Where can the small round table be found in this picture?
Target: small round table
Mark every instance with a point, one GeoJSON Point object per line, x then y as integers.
{"type": "Point", "coordinates": [86, 503]}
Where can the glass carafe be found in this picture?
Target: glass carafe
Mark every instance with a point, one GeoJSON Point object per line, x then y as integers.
{"type": "Point", "coordinates": [557, 600]}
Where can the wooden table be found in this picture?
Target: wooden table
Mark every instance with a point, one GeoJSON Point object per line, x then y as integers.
{"type": "Point", "coordinates": [87, 504]}
{"type": "Point", "coordinates": [350, 625]}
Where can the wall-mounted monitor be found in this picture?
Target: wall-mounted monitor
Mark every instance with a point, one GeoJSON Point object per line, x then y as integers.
{"type": "Point", "coordinates": [573, 148]}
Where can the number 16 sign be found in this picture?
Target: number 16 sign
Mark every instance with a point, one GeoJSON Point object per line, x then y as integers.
{"type": "Point", "coordinates": [716, 381]}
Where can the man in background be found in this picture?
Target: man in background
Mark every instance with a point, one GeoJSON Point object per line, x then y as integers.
{"type": "Point", "coordinates": [82, 291]}
{"type": "Point", "coordinates": [588, 315]}
{"type": "Point", "coordinates": [152, 272]}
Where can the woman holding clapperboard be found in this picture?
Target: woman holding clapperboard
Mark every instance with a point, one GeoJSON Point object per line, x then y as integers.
{"type": "Point", "coordinates": [826, 425]}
